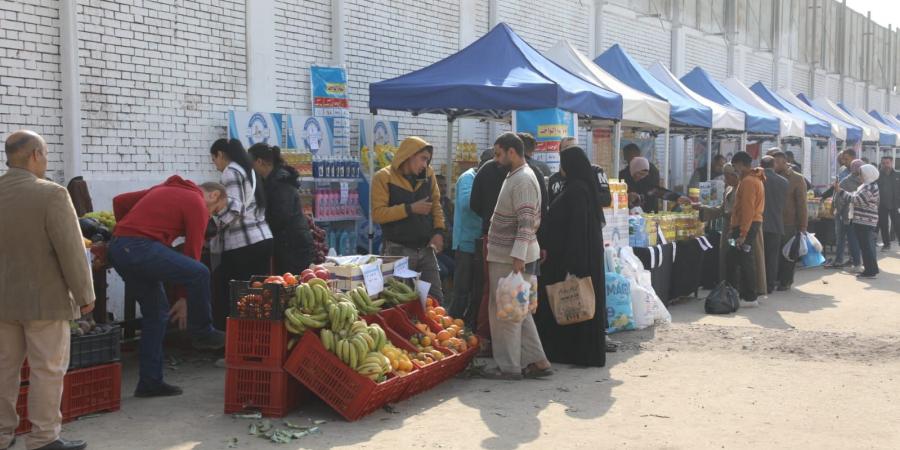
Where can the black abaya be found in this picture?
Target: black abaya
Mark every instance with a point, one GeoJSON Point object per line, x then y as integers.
{"type": "Point", "coordinates": [572, 236]}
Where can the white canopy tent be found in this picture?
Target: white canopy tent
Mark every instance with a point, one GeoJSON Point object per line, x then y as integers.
{"type": "Point", "coordinates": [870, 133]}
{"type": "Point", "coordinates": [862, 115]}
{"type": "Point", "coordinates": [838, 130]}
{"type": "Point", "coordinates": [790, 126]}
{"type": "Point", "coordinates": [638, 108]}
{"type": "Point", "coordinates": [723, 117]}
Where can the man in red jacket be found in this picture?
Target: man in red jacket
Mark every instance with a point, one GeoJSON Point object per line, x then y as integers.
{"type": "Point", "coordinates": [147, 223]}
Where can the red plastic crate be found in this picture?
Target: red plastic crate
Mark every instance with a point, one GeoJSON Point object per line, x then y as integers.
{"type": "Point", "coordinates": [432, 374]}
{"type": "Point", "coordinates": [349, 393]}
{"type": "Point", "coordinates": [22, 411]}
{"type": "Point", "coordinates": [256, 343]}
{"type": "Point", "coordinates": [270, 391]}
{"type": "Point", "coordinates": [91, 390]}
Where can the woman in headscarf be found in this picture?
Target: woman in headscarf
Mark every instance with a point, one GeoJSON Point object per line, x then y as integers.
{"type": "Point", "coordinates": [643, 191]}
{"type": "Point", "coordinates": [572, 236]}
{"type": "Point", "coordinates": [722, 217]}
{"type": "Point", "coordinates": [864, 217]}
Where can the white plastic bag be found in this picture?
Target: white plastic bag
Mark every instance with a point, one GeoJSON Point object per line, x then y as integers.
{"type": "Point", "coordinates": [513, 298]}
{"type": "Point", "coordinates": [811, 237]}
{"type": "Point", "coordinates": [648, 309]}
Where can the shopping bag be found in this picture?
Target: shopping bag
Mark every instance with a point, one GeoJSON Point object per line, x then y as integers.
{"type": "Point", "coordinates": [813, 257]}
{"type": "Point", "coordinates": [513, 298]}
{"type": "Point", "coordinates": [814, 241]}
{"type": "Point", "coordinates": [723, 299]}
{"type": "Point", "coordinates": [572, 300]}
{"type": "Point", "coordinates": [619, 315]}
{"type": "Point", "coordinates": [793, 250]}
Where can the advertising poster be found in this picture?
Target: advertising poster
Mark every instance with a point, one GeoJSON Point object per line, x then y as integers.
{"type": "Point", "coordinates": [378, 132]}
{"type": "Point", "coordinates": [329, 92]}
{"type": "Point", "coordinates": [547, 126]}
{"type": "Point", "coordinates": [255, 127]}
{"type": "Point", "coordinates": [323, 137]}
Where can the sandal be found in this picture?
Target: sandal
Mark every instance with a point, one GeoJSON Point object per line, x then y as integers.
{"type": "Point", "coordinates": [533, 372]}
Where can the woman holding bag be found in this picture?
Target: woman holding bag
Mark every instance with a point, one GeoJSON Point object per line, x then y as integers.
{"type": "Point", "coordinates": [864, 217]}
{"type": "Point", "coordinates": [573, 238]}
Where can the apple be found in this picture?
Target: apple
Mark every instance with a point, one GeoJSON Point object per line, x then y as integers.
{"type": "Point", "coordinates": [319, 267]}
{"type": "Point", "coordinates": [274, 279]}
{"type": "Point", "coordinates": [307, 272]}
{"type": "Point", "coordinates": [323, 274]}
{"type": "Point", "coordinates": [306, 277]}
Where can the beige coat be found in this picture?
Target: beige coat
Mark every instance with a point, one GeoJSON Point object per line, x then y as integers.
{"type": "Point", "coordinates": [44, 273]}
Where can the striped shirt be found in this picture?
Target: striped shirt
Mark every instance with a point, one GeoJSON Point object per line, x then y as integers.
{"type": "Point", "coordinates": [864, 204]}
{"type": "Point", "coordinates": [517, 216]}
{"type": "Point", "coordinates": [241, 223]}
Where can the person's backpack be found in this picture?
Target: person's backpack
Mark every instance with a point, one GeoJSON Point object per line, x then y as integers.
{"type": "Point", "coordinates": [724, 299]}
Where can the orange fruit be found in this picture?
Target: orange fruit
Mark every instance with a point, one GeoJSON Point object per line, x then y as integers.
{"type": "Point", "coordinates": [459, 323]}
{"type": "Point", "coordinates": [431, 315]}
{"type": "Point", "coordinates": [422, 327]}
{"type": "Point", "coordinates": [451, 331]}
{"type": "Point", "coordinates": [440, 311]}
{"type": "Point", "coordinates": [472, 341]}
{"type": "Point", "coordinates": [445, 344]}
{"type": "Point", "coordinates": [429, 302]}
{"type": "Point", "coordinates": [426, 341]}
{"type": "Point", "coordinates": [444, 335]}
{"type": "Point", "coordinates": [446, 321]}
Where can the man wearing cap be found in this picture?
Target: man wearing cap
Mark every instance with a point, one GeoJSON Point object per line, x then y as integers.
{"type": "Point", "coordinates": [406, 202]}
{"type": "Point", "coordinates": [773, 220]}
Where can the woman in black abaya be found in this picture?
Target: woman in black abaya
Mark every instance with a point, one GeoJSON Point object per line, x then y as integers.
{"type": "Point", "coordinates": [572, 236]}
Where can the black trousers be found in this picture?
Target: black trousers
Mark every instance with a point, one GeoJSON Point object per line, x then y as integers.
{"type": "Point", "coordinates": [773, 258]}
{"type": "Point", "coordinates": [888, 219]}
{"type": "Point", "coordinates": [741, 265]}
{"type": "Point", "coordinates": [477, 283]}
{"type": "Point", "coordinates": [239, 264]}
{"type": "Point", "coordinates": [785, 267]}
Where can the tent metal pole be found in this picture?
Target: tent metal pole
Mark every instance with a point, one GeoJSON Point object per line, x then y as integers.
{"type": "Point", "coordinates": [617, 141]}
{"type": "Point", "coordinates": [666, 161]}
{"type": "Point", "coordinates": [877, 151]}
{"type": "Point", "coordinates": [709, 146]}
{"type": "Point", "coordinates": [371, 154]}
{"type": "Point", "coordinates": [451, 155]}
{"type": "Point", "coordinates": [743, 142]}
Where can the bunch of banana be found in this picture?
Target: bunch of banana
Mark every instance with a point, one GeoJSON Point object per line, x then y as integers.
{"type": "Point", "coordinates": [363, 303]}
{"type": "Point", "coordinates": [356, 347]}
{"type": "Point", "coordinates": [396, 292]}
{"type": "Point", "coordinates": [342, 315]}
{"type": "Point", "coordinates": [308, 308]}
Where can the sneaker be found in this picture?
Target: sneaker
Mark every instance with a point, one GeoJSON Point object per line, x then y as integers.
{"type": "Point", "coordinates": [162, 390]}
{"type": "Point", "coordinates": [866, 275]}
{"type": "Point", "coordinates": [749, 304]}
{"type": "Point", "coordinates": [212, 340]}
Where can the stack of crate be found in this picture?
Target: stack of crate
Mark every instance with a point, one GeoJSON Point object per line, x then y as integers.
{"type": "Point", "coordinates": [255, 352]}
{"type": "Point", "coordinates": [92, 384]}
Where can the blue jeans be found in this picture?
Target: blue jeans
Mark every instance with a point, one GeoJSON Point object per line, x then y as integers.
{"type": "Point", "coordinates": [145, 265]}
{"type": "Point", "coordinates": [844, 235]}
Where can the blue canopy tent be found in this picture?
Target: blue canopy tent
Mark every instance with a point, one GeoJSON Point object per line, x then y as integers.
{"type": "Point", "coordinates": [756, 121]}
{"type": "Point", "coordinates": [886, 136]}
{"type": "Point", "coordinates": [854, 132]}
{"type": "Point", "coordinates": [891, 122]}
{"type": "Point", "coordinates": [814, 126]}
{"type": "Point", "coordinates": [494, 75]}
{"type": "Point", "coordinates": [491, 77]}
{"type": "Point", "coordinates": [685, 114]}
{"type": "Point", "coordinates": [684, 111]}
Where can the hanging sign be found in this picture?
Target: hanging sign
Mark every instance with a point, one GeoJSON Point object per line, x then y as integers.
{"type": "Point", "coordinates": [255, 127]}
{"type": "Point", "coordinates": [548, 126]}
{"type": "Point", "coordinates": [373, 278]}
{"type": "Point", "coordinates": [329, 92]}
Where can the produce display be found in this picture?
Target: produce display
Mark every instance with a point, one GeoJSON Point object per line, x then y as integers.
{"type": "Point", "coordinates": [384, 154]}
{"type": "Point", "coordinates": [397, 293]}
{"type": "Point", "coordinates": [85, 326]}
{"type": "Point", "coordinates": [308, 307]}
{"type": "Point", "coordinates": [356, 343]}
{"type": "Point", "coordinates": [320, 241]}
{"type": "Point", "coordinates": [106, 218]}
{"type": "Point", "coordinates": [452, 333]}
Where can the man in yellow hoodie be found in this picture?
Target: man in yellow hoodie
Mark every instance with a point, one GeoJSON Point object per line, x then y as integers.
{"type": "Point", "coordinates": [406, 202]}
{"type": "Point", "coordinates": [746, 221]}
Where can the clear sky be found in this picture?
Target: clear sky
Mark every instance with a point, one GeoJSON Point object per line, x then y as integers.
{"type": "Point", "coordinates": [884, 12]}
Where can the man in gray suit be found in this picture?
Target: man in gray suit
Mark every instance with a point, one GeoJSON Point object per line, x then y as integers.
{"type": "Point", "coordinates": [44, 282]}
{"type": "Point", "coordinates": [773, 220]}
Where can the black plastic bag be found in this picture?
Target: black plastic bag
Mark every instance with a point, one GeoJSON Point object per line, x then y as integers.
{"type": "Point", "coordinates": [724, 299]}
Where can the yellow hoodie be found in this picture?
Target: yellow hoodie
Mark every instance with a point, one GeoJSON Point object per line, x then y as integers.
{"type": "Point", "coordinates": [393, 193]}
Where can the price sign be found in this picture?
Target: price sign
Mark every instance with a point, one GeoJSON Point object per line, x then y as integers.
{"type": "Point", "coordinates": [401, 269]}
{"type": "Point", "coordinates": [422, 287]}
{"type": "Point", "coordinates": [372, 278]}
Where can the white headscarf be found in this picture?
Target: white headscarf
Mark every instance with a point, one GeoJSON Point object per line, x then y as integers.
{"type": "Point", "coordinates": [869, 174]}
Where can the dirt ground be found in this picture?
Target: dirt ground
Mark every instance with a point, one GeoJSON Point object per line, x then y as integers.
{"type": "Point", "coordinates": [818, 368]}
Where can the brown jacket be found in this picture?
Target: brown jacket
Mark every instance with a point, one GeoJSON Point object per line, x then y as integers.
{"type": "Point", "coordinates": [749, 202]}
{"type": "Point", "coordinates": [44, 272]}
{"type": "Point", "coordinates": [795, 203]}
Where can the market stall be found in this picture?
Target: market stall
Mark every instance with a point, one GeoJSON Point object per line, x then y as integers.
{"type": "Point", "coordinates": [888, 138]}
{"type": "Point", "coordinates": [870, 135]}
